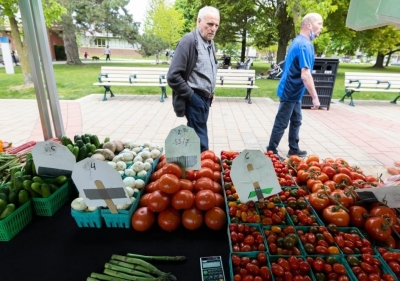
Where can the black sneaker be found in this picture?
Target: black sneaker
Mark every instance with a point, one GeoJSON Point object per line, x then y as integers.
{"type": "Point", "coordinates": [300, 153]}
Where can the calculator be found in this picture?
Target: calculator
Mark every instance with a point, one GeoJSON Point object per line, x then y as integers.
{"type": "Point", "coordinates": [212, 269]}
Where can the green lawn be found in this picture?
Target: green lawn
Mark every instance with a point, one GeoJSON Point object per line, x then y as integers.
{"type": "Point", "coordinates": [74, 82]}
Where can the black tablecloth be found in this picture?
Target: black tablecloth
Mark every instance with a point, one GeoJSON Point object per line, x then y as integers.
{"type": "Point", "coordinates": [55, 248]}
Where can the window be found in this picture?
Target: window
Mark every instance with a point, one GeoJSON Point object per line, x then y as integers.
{"type": "Point", "coordinates": [100, 42]}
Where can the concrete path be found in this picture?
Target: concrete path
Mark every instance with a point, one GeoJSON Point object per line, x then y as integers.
{"type": "Point", "coordinates": [367, 135]}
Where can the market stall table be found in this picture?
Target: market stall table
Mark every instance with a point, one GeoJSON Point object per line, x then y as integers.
{"type": "Point", "coordinates": [55, 248]}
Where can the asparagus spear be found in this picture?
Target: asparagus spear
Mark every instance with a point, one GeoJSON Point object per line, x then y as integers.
{"type": "Point", "coordinates": [158, 258]}
{"type": "Point", "coordinates": [126, 270]}
{"type": "Point", "coordinates": [105, 277]}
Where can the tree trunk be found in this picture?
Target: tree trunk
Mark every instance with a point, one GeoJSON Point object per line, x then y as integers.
{"type": "Point", "coordinates": [285, 32]}
{"type": "Point", "coordinates": [389, 58]}
{"type": "Point", "coordinates": [70, 45]}
{"type": "Point", "coordinates": [243, 52]}
{"type": "Point", "coordinates": [21, 50]}
{"type": "Point", "coordinates": [379, 60]}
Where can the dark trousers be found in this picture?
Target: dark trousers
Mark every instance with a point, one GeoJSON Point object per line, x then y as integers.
{"type": "Point", "coordinates": [108, 57]}
{"type": "Point", "coordinates": [197, 110]}
{"type": "Point", "coordinates": [287, 112]}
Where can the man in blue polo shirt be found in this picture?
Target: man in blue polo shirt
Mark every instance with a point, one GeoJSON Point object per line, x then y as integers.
{"type": "Point", "coordinates": [296, 78]}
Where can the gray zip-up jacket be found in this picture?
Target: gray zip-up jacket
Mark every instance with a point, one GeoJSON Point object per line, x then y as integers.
{"type": "Point", "coordinates": [182, 65]}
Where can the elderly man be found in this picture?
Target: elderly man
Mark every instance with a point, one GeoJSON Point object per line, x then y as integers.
{"type": "Point", "coordinates": [193, 72]}
{"type": "Point", "coordinates": [296, 78]}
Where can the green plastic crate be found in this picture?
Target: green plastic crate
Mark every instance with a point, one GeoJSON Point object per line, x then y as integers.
{"type": "Point", "coordinates": [13, 224]}
{"type": "Point", "coordinates": [299, 244]}
{"type": "Point", "coordinates": [306, 229]}
{"type": "Point", "coordinates": [88, 219]}
{"type": "Point", "coordinates": [49, 206]}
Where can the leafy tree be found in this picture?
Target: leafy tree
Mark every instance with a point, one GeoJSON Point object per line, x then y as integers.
{"type": "Point", "coordinates": [190, 11]}
{"type": "Point", "coordinates": [164, 21]}
{"type": "Point", "coordinates": [93, 16]}
{"type": "Point", "coordinates": [52, 12]}
{"type": "Point", "coordinates": [151, 44]}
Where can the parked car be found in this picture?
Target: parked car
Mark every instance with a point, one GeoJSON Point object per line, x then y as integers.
{"type": "Point", "coordinates": [355, 61]}
{"type": "Point", "coordinates": [396, 63]}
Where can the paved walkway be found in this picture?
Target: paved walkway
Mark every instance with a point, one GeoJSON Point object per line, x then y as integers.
{"type": "Point", "coordinates": [367, 135]}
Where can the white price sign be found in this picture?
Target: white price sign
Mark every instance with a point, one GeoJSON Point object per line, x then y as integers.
{"type": "Point", "coordinates": [253, 176]}
{"type": "Point", "coordinates": [390, 195]}
{"type": "Point", "coordinates": [53, 159]}
{"type": "Point", "coordinates": [99, 184]}
{"type": "Point", "coordinates": [182, 146]}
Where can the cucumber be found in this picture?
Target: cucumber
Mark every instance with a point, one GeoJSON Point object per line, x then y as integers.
{"type": "Point", "coordinates": [76, 138]}
{"type": "Point", "coordinates": [5, 189]}
{"type": "Point", "coordinates": [26, 184]}
{"type": "Point", "coordinates": [88, 147]}
{"type": "Point", "coordinates": [83, 138]}
{"type": "Point", "coordinates": [10, 208]}
{"type": "Point", "coordinates": [107, 139]}
{"type": "Point", "coordinates": [82, 153]}
{"type": "Point", "coordinates": [4, 198]}
{"type": "Point", "coordinates": [26, 177]}
{"type": "Point", "coordinates": [13, 197]}
{"type": "Point", "coordinates": [95, 140]}
{"type": "Point", "coordinates": [65, 140]}
{"type": "Point", "coordinates": [80, 143]}
{"type": "Point", "coordinates": [3, 205]}
{"type": "Point", "coordinates": [70, 147]}
{"type": "Point", "coordinates": [87, 140]}
{"type": "Point", "coordinates": [28, 156]}
{"type": "Point", "coordinates": [28, 167]}
{"type": "Point", "coordinates": [23, 197]}
{"type": "Point", "coordinates": [37, 179]}
{"type": "Point", "coordinates": [14, 178]}
{"type": "Point", "coordinates": [53, 188]}
{"type": "Point", "coordinates": [75, 151]}
{"type": "Point", "coordinates": [89, 154]}
{"type": "Point", "coordinates": [36, 188]}
{"type": "Point", "coordinates": [92, 148]}
{"type": "Point", "coordinates": [45, 189]}
{"type": "Point", "coordinates": [34, 169]}
{"type": "Point", "coordinates": [60, 180]}
{"type": "Point", "coordinates": [18, 183]}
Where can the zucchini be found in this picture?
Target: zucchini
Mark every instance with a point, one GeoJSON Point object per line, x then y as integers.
{"type": "Point", "coordinates": [3, 205]}
{"type": "Point", "coordinates": [28, 166]}
{"type": "Point", "coordinates": [23, 197]}
{"type": "Point", "coordinates": [95, 140]}
{"type": "Point", "coordinates": [4, 198]}
{"type": "Point", "coordinates": [83, 151]}
{"type": "Point", "coordinates": [45, 189]}
{"type": "Point", "coordinates": [75, 151]}
{"type": "Point", "coordinates": [10, 208]}
{"type": "Point", "coordinates": [60, 180]}
{"type": "Point", "coordinates": [76, 138]}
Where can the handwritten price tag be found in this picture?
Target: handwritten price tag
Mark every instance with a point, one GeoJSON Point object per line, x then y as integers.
{"type": "Point", "coordinates": [182, 146]}
{"type": "Point", "coordinates": [53, 159]}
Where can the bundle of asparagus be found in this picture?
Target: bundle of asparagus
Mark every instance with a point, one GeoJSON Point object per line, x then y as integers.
{"type": "Point", "coordinates": [135, 267]}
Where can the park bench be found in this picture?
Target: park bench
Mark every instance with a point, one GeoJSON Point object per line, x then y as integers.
{"type": "Point", "coordinates": [132, 77]}
{"type": "Point", "coordinates": [156, 77]}
{"type": "Point", "coordinates": [370, 82]}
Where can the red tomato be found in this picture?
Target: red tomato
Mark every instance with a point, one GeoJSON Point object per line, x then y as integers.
{"type": "Point", "coordinates": [217, 176]}
{"type": "Point", "coordinates": [215, 218]}
{"type": "Point", "coordinates": [205, 172]}
{"type": "Point", "coordinates": [217, 188]}
{"type": "Point", "coordinates": [205, 200]}
{"type": "Point", "coordinates": [204, 183]}
{"type": "Point", "coordinates": [169, 219]}
{"type": "Point", "coordinates": [208, 154]}
{"type": "Point", "coordinates": [143, 219]}
{"type": "Point", "coordinates": [217, 167]}
{"type": "Point", "coordinates": [192, 218]}
{"type": "Point", "coordinates": [378, 228]}
{"type": "Point", "coordinates": [333, 214]}
{"type": "Point", "coordinates": [219, 200]}
{"type": "Point", "coordinates": [169, 183]}
{"type": "Point", "coordinates": [144, 200]}
{"type": "Point", "coordinates": [183, 199]}
{"type": "Point", "coordinates": [152, 186]}
{"type": "Point", "coordinates": [172, 168]}
{"type": "Point", "coordinates": [186, 184]}
{"type": "Point", "coordinates": [207, 163]}
{"type": "Point", "coordinates": [384, 212]}
{"type": "Point", "coordinates": [357, 216]}
{"type": "Point", "coordinates": [158, 201]}
{"type": "Point", "coordinates": [190, 175]}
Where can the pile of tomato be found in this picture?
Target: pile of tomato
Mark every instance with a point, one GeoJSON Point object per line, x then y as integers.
{"type": "Point", "coordinates": [317, 241]}
{"type": "Point", "coordinates": [191, 198]}
{"type": "Point", "coordinates": [291, 268]}
{"type": "Point", "coordinates": [392, 259]}
{"type": "Point", "coordinates": [368, 267]}
{"type": "Point", "coordinates": [243, 212]}
{"type": "Point", "coordinates": [328, 268]}
{"type": "Point", "coordinates": [246, 268]}
{"type": "Point", "coordinates": [282, 241]}
{"type": "Point", "coordinates": [246, 238]}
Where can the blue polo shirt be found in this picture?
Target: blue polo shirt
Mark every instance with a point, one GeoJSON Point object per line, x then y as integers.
{"type": "Point", "coordinates": [300, 55]}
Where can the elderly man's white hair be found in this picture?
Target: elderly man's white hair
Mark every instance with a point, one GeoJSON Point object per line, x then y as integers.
{"type": "Point", "coordinates": [310, 18]}
{"type": "Point", "coordinates": [207, 10]}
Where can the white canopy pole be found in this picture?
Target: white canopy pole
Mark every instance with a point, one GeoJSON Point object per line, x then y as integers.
{"type": "Point", "coordinates": [41, 66]}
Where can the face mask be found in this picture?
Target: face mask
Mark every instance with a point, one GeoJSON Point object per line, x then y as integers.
{"type": "Point", "coordinates": [312, 35]}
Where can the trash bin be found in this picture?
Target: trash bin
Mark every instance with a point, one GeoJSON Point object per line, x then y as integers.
{"type": "Point", "coordinates": [324, 75]}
